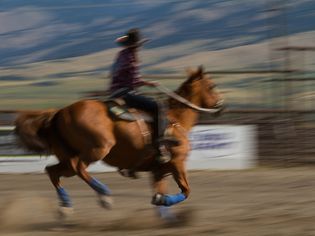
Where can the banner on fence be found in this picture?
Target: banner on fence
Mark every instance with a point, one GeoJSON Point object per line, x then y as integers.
{"type": "Point", "coordinates": [222, 147]}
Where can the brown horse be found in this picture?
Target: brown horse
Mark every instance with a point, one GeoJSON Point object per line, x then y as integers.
{"type": "Point", "coordinates": [85, 132]}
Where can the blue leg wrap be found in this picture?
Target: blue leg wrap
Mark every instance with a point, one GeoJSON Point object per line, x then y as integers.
{"type": "Point", "coordinates": [170, 200]}
{"type": "Point", "coordinates": [64, 197]}
{"type": "Point", "coordinates": [99, 187]}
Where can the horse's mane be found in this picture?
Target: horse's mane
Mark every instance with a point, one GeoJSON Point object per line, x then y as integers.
{"type": "Point", "coordinates": [185, 90]}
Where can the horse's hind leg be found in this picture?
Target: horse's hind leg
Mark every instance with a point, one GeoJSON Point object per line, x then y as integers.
{"type": "Point", "coordinates": [55, 172]}
{"type": "Point", "coordinates": [102, 190]}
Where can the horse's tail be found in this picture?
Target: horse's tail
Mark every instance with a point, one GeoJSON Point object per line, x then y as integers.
{"type": "Point", "coordinates": [33, 130]}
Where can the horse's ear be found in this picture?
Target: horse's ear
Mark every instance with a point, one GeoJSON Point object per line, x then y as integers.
{"type": "Point", "coordinates": [200, 70]}
{"type": "Point", "coordinates": [198, 73]}
{"type": "Point", "coordinates": [193, 74]}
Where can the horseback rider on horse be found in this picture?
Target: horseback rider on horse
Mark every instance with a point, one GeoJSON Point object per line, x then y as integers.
{"type": "Point", "coordinates": [126, 78]}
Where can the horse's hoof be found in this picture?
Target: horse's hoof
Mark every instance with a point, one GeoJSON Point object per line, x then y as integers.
{"type": "Point", "coordinates": [106, 202]}
{"type": "Point", "coordinates": [166, 214]}
{"type": "Point", "coordinates": [65, 212]}
{"type": "Point", "coordinates": [158, 199]}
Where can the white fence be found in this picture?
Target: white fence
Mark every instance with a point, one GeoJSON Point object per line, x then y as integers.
{"type": "Point", "coordinates": [212, 147]}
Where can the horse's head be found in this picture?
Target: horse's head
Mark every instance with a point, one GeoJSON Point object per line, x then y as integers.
{"type": "Point", "coordinates": [203, 90]}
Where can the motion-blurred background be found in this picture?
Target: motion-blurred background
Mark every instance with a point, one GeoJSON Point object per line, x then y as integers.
{"type": "Point", "coordinates": [260, 53]}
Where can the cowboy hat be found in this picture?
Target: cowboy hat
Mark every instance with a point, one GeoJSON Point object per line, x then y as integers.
{"type": "Point", "coordinates": [131, 39]}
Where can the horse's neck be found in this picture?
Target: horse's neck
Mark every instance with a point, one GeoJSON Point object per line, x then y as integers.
{"type": "Point", "coordinates": [182, 114]}
{"type": "Point", "coordinates": [186, 117]}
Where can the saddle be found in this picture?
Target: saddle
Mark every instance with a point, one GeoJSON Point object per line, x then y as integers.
{"type": "Point", "coordinates": [119, 110]}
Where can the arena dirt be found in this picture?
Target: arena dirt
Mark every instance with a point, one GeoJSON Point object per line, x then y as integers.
{"type": "Point", "coordinates": [263, 201]}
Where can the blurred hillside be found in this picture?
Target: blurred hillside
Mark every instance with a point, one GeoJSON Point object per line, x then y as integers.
{"type": "Point", "coordinates": [39, 30]}
{"type": "Point", "coordinates": [53, 51]}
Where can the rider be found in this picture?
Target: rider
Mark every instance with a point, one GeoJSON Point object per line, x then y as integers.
{"type": "Point", "coordinates": [126, 78]}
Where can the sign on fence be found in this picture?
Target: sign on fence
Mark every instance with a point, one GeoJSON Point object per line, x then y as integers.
{"type": "Point", "coordinates": [222, 147]}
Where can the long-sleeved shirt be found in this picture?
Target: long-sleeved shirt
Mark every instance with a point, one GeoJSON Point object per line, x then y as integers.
{"type": "Point", "coordinates": [125, 71]}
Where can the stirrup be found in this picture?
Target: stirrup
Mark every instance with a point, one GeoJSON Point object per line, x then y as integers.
{"type": "Point", "coordinates": [163, 155]}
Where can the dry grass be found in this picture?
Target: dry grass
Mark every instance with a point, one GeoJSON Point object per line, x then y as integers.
{"type": "Point", "coordinates": [59, 82]}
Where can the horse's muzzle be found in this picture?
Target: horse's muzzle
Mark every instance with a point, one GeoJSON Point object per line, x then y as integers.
{"type": "Point", "coordinates": [220, 106]}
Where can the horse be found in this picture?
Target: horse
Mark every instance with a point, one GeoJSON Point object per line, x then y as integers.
{"type": "Point", "coordinates": [84, 132]}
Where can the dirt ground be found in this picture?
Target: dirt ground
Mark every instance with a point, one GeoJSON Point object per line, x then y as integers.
{"type": "Point", "coordinates": [262, 201]}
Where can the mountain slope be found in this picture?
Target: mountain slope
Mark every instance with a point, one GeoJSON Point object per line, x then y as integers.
{"type": "Point", "coordinates": [38, 30]}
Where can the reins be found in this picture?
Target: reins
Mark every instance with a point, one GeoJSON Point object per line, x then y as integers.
{"type": "Point", "coordinates": [185, 101]}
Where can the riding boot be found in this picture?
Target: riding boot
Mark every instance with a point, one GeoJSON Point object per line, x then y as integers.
{"type": "Point", "coordinates": [163, 155]}
{"type": "Point", "coordinates": [162, 140]}
{"type": "Point", "coordinates": [163, 145]}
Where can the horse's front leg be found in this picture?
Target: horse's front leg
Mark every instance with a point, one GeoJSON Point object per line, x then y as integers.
{"type": "Point", "coordinates": [178, 169]}
{"type": "Point", "coordinates": [160, 187]}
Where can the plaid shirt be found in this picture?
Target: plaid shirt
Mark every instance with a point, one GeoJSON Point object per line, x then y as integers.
{"type": "Point", "coordinates": [125, 71]}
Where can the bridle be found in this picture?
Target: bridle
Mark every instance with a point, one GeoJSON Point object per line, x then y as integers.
{"type": "Point", "coordinates": [188, 103]}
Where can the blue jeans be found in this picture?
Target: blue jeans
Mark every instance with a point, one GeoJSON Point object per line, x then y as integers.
{"type": "Point", "coordinates": [151, 106]}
